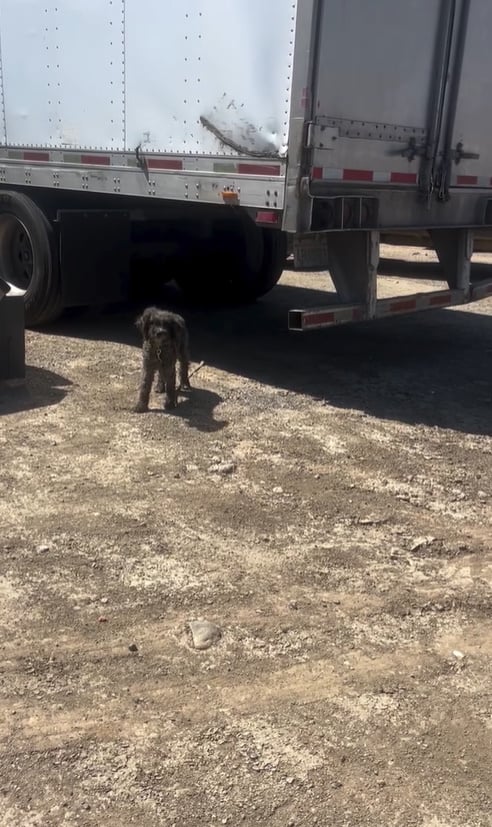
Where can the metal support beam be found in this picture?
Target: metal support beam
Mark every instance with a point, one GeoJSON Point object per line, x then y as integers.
{"type": "Point", "coordinates": [454, 250]}
{"type": "Point", "coordinates": [353, 259]}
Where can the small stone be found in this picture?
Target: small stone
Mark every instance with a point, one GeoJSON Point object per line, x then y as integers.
{"type": "Point", "coordinates": [204, 633]}
{"type": "Point", "coordinates": [482, 495]}
{"type": "Point", "coordinates": [293, 604]}
{"type": "Point", "coordinates": [289, 780]}
{"type": "Point", "coordinates": [102, 619]}
{"type": "Point", "coordinates": [278, 489]}
{"type": "Point", "coordinates": [133, 647]}
{"type": "Point", "coordinates": [372, 521]}
{"type": "Point", "coordinates": [104, 600]}
{"type": "Point", "coordinates": [458, 655]}
{"type": "Point", "coordinates": [419, 543]}
{"type": "Point", "coordinates": [42, 549]}
{"type": "Point", "coordinates": [224, 468]}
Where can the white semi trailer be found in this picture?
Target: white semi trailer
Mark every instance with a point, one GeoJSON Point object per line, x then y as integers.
{"type": "Point", "coordinates": [201, 135]}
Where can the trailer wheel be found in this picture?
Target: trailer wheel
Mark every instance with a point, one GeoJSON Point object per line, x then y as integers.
{"type": "Point", "coordinates": [273, 264]}
{"type": "Point", "coordinates": [29, 257]}
{"type": "Point", "coordinates": [238, 265]}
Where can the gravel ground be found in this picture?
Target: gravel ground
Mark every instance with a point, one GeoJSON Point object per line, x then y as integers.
{"type": "Point", "coordinates": [325, 499]}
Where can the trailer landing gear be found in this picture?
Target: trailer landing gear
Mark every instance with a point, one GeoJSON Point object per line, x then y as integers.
{"type": "Point", "coordinates": [352, 258]}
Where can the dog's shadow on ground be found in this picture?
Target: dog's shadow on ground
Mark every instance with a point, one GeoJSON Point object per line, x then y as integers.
{"type": "Point", "coordinates": [196, 407]}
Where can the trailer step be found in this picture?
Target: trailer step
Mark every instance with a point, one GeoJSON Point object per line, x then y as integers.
{"type": "Point", "coordinates": [314, 318]}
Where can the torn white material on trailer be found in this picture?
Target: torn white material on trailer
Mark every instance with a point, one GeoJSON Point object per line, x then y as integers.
{"type": "Point", "coordinates": [194, 77]}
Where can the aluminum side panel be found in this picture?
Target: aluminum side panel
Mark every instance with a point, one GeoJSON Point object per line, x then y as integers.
{"type": "Point", "coordinates": [63, 72]}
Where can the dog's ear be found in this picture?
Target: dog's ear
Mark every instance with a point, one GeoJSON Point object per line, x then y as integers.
{"type": "Point", "coordinates": [143, 323]}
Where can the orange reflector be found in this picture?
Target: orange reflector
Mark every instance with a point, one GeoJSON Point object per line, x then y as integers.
{"type": "Point", "coordinates": [230, 197]}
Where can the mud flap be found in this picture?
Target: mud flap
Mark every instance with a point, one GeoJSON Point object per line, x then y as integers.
{"type": "Point", "coordinates": [311, 251]}
{"type": "Point", "coordinates": [12, 352]}
{"type": "Point", "coordinates": [94, 256]}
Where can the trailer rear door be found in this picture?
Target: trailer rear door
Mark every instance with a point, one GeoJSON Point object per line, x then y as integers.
{"type": "Point", "coordinates": [374, 83]}
{"type": "Point", "coordinates": [473, 120]}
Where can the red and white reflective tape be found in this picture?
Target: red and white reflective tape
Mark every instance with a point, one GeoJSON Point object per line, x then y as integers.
{"type": "Point", "coordinates": [164, 163]}
{"type": "Point", "coordinates": [268, 217]}
{"type": "Point", "coordinates": [371, 176]}
{"type": "Point", "coordinates": [35, 156]}
{"type": "Point", "coordinates": [318, 317]}
{"type": "Point", "coordinates": [419, 301]}
{"type": "Point", "coordinates": [153, 161]}
{"type": "Point", "coordinates": [480, 181]}
{"type": "Point", "coordinates": [368, 176]}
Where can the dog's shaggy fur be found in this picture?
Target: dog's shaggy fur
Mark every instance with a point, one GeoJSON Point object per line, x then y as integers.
{"type": "Point", "coordinates": [165, 342]}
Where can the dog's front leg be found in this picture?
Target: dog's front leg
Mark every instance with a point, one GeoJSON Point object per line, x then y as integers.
{"type": "Point", "coordinates": [148, 371]}
{"type": "Point", "coordinates": [169, 381]}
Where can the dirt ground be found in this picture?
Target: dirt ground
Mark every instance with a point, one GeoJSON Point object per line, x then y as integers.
{"type": "Point", "coordinates": [325, 499]}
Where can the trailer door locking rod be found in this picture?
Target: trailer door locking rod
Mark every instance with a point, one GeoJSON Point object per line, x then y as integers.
{"type": "Point", "coordinates": [142, 161]}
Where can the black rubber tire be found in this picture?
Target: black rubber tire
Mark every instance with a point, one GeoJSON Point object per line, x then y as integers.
{"type": "Point", "coordinates": [42, 297]}
{"type": "Point", "coordinates": [238, 265]}
{"type": "Point", "coordinates": [273, 265]}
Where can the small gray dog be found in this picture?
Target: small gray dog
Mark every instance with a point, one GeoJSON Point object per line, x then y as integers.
{"type": "Point", "coordinates": [165, 342]}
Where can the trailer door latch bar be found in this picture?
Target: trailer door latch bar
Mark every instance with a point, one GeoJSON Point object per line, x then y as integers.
{"type": "Point", "coordinates": [459, 154]}
{"type": "Point", "coordinates": [142, 161]}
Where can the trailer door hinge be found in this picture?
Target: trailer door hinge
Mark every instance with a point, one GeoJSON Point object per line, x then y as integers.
{"type": "Point", "coordinates": [310, 135]}
{"type": "Point", "coordinates": [320, 136]}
